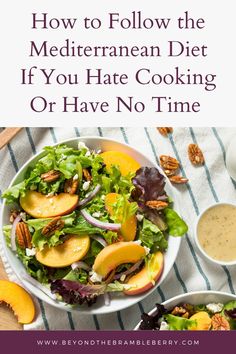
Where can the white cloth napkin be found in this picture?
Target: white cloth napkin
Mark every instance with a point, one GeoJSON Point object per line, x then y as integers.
{"type": "Point", "coordinates": [207, 184]}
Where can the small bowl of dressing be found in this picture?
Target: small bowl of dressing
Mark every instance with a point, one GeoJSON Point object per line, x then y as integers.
{"type": "Point", "coordinates": [215, 233]}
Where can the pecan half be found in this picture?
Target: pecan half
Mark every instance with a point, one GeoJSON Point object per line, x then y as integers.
{"type": "Point", "coordinates": [170, 172]}
{"type": "Point", "coordinates": [195, 154]}
{"type": "Point", "coordinates": [23, 235]}
{"type": "Point", "coordinates": [178, 179]}
{"type": "Point", "coordinates": [165, 130]}
{"type": "Point", "coordinates": [86, 174]}
{"type": "Point", "coordinates": [180, 311]}
{"type": "Point", "coordinates": [50, 176]}
{"type": "Point", "coordinates": [156, 204]}
{"type": "Point", "coordinates": [219, 323]}
{"type": "Point", "coordinates": [55, 224]}
{"type": "Point", "coordinates": [169, 163]}
{"type": "Point", "coordinates": [71, 186]}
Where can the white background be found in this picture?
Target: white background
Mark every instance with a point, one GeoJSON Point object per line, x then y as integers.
{"type": "Point", "coordinates": [217, 107]}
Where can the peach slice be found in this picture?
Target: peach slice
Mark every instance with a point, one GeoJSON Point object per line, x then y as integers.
{"type": "Point", "coordinates": [117, 253]}
{"type": "Point", "coordinates": [203, 321]}
{"type": "Point", "coordinates": [19, 300]}
{"type": "Point", "coordinates": [129, 227]}
{"type": "Point", "coordinates": [125, 162]}
{"type": "Point", "coordinates": [141, 281]}
{"type": "Point", "coordinates": [72, 250]}
{"type": "Point", "coordinates": [40, 206]}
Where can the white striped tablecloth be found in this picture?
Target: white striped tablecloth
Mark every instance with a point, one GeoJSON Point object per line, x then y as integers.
{"type": "Point", "coordinates": [207, 184]}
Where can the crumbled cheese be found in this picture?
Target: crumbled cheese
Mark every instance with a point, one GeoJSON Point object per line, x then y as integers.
{"type": "Point", "coordinates": [164, 326]}
{"type": "Point", "coordinates": [76, 177]}
{"type": "Point", "coordinates": [30, 252]}
{"type": "Point", "coordinates": [214, 308]}
{"type": "Point", "coordinates": [23, 216]}
{"type": "Point", "coordinates": [81, 145]}
{"type": "Point", "coordinates": [138, 242]}
{"type": "Point", "coordinates": [147, 250]}
{"type": "Point", "coordinates": [139, 217]}
{"type": "Point", "coordinates": [95, 277]}
{"type": "Point", "coordinates": [98, 151]}
{"type": "Point", "coordinates": [86, 185]}
{"type": "Point", "coordinates": [103, 197]}
{"type": "Point", "coordinates": [97, 214]}
{"type": "Point", "coordinates": [122, 278]}
{"type": "Point", "coordinates": [51, 201]}
{"type": "Point", "coordinates": [88, 153]}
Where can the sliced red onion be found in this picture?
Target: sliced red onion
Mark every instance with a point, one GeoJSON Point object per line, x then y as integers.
{"type": "Point", "coordinates": [107, 299]}
{"type": "Point", "coordinates": [99, 239]}
{"type": "Point", "coordinates": [130, 270]}
{"type": "Point", "coordinates": [81, 265]}
{"type": "Point", "coordinates": [38, 285]}
{"type": "Point", "coordinates": [97, 223]}
{"type": "Point", "coordinates": [90, 196]}
{"type": "Point", "coordinates": [13, 232]}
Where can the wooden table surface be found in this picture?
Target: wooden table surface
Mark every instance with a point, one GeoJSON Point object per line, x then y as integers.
{"type": "Point", "coordinates": [7, 319]}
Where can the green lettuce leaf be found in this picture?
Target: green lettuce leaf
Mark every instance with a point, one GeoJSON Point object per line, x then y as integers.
{"type": "Point", "coordinates": [33, 267]}
{"type": "Point", "coordinates": [79, 275]}
{"type": "Point", "coordinates": [38, 224]}
{"type": "Point", "coordinates": [7, 234]}
{"type": "Point", "coordinates": [151, 237]}
{"type": "Point", "coordinates": [13, 193]}
{"type": "Point", "coordinates": [179, 323]}
{"type": "Point", "coordinates": [176, 225]}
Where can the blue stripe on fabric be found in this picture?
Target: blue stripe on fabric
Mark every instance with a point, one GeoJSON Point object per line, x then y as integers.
{"type": "Point", "coordinates": [71, 322]}
{"type": "Point", "coordinates": [121, 324]}
{"type": "Point", "coordinates": [229, 279]}
{"type": "Point", "coordinates": [217, 200]}
{"type": "Point", "coordinates": [208, 285]}
{"type": "Point", "coordinates": [157, 160]}
{"type": "Point", "coordinates": [100, 131]}
{"type": "Point", "coordinates": [54, 139]}
{"type": "Point", "coordinates": [179, 278]}
{"type": "Point", "coordinates": [31, 140]}
{"type": "Point", "coordinates": [95, 319]}
{"type": "Point", "coordinates": [222, 149]}
{"type": "Point", "coordinates": [45, 321]}
{"type": "Point", "coordinates": [77, 132]}
{"type": "Point", "coordinates": [161, 294]}
{"type": "Point", "coordinates": [13, 158]}
{"type": "Point", "coordinates": [124, 135]}
{"type": "Point", "coordinates": [141, 308]}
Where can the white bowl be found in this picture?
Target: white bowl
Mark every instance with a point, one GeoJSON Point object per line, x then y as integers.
{"type": "Point", "coordinates": [195, 298]}
{"type": "Point", "coordinates": [231, 263]}
{"type": "Point", "coordinates": [119, 301]}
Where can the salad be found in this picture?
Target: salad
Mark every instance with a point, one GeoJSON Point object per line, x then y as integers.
{"type": "Point", "coordinates": [87, 223]}
{"type": "Point", "coordinates": [210, 317]}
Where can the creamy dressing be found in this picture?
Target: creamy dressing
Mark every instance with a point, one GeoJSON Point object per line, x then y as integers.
{"type": "Point", "coordinates": [216, 232]}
